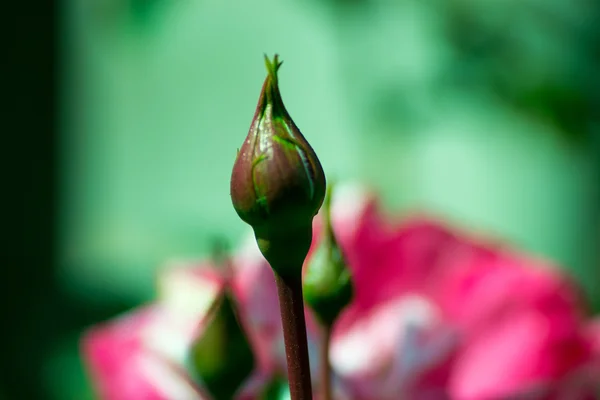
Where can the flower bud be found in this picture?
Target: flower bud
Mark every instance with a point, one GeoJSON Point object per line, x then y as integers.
{"type": "Point", "coordinates": [277, 183]}
{"type": "Point", "coordinates": [327, 281]}
{"type": "Point", "coordinates": [221, 357]}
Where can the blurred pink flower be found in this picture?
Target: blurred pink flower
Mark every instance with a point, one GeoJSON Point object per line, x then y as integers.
{"type": "Point", "coordinates": [439, 315]}
{"type": "Point", "coordinates": [436, 315]}
{"type": "Point", "coordinates": [143, 355]}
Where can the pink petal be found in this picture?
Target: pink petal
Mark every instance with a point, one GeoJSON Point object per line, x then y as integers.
{"type": "Point", "coordinates": [122, 368]}
{"type": "Point", "coordinates": [514, 354]}
{"type": "Point", "coordinates": [592, 330]}
{"type": "Point", "coordinates": [388, 351]}
{"type": "Point", "coordinates": [256, 294]}
{"type": "Point", "coordinates": [483, 288]}
{"type": "Point", "coordinates": [187, 289]}
{"type": "Point", "coordinates": [387, 262]}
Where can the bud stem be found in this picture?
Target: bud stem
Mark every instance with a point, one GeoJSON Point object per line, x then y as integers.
{"type": "Point", "coordinates": [294, 335]}
{"type": "Point", "coordinates": [324, 362]}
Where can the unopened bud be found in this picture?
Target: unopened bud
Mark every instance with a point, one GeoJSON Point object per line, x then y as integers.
{"type": "Point", "coordinates": [277, 183]}
{"type": "Point", "coordinates": [222, 357]}
{"type": "Point", "coordinates": [327, 281]}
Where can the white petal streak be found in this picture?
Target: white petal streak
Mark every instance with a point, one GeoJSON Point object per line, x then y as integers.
{"type": "Point", "coordinates": [393, 345]}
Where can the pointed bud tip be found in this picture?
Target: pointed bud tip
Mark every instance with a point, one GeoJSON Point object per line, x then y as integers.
{"type": "Point", "coordinates": [273, 66]}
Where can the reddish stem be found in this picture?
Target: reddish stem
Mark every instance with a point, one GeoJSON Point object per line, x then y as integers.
{"type": "Point", "coordinates": [324, 363]}
{"type": "Point", "coordinates": [294, 334]}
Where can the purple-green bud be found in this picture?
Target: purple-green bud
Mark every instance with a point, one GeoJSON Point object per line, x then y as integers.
{"type": "Point", "coordinates": [277, 183]}
{"type": "Point", "coordinates": [327, 283]}
{"type": "Point", "coordinates": [222, 357]}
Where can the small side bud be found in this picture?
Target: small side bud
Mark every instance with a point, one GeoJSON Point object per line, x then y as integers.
{"type": "Point", "coordinates": [222, 357]}
{"type": "Point", "coordinates": [327, 281]}
{"type": "Point", "coordinates": [277, 183]}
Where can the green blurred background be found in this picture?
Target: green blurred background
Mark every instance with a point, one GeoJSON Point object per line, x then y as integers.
{"type": "Point", "coordinates": [485, 113]}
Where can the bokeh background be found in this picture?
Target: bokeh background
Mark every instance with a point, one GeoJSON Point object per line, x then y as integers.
{"type": "Point", "coordinates": [485, 113]}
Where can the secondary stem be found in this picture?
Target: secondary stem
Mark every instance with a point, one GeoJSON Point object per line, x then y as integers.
{"type": "Point", "coordinates": [324, 362]}
{"type": "Point", "coordinates": [294, 335]}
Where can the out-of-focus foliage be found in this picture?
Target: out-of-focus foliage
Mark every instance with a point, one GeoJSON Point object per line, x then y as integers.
{"type": "Point", "coordinates": [481, 112]}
